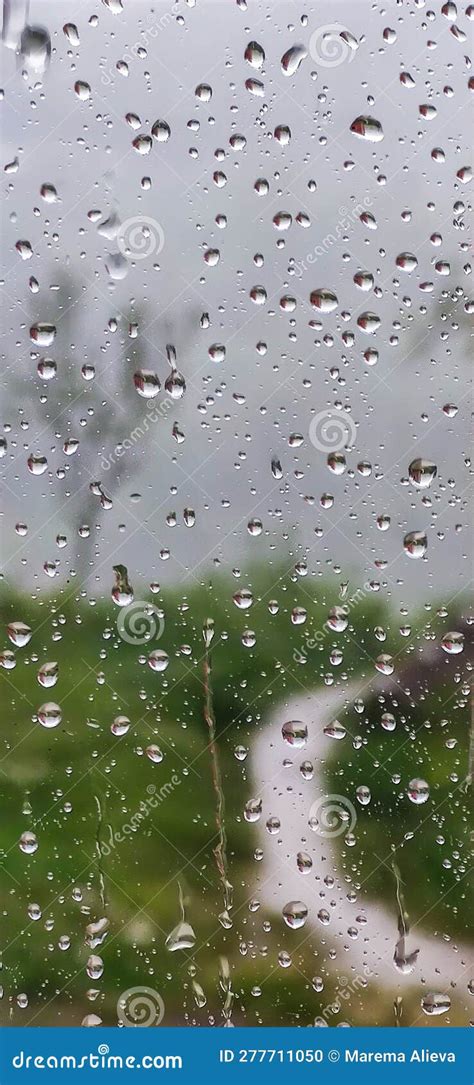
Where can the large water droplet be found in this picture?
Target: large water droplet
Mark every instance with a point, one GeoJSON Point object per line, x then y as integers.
{"type": "Point", "coordinates": [418, 791]}
{"type": "Point", "coordinates": [295, 733]}
{"type": "Point", "coordinates": [35, 49]}
{"type": "Point", "coordinates": [291, 60]}
{"type": "Point", "coordinates": [295, 914]}
{"type": "Point", "coordinates": [367, 128]}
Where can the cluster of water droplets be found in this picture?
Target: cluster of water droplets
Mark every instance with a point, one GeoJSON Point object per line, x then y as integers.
{"type": "Point", "coordinates": [231, 310]}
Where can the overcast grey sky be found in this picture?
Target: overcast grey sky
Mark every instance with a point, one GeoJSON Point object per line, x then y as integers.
{"type": "Point", "coordinates": [240, 412]}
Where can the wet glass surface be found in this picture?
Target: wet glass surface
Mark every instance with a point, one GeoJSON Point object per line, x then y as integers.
{"type": "Point", "coordinates": [236, 740]}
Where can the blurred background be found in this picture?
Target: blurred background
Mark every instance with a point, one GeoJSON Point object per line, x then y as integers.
{"type": "Point", "coordinates": [236, 554]}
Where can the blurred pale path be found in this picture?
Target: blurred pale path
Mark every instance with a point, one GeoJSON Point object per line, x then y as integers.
{"type": "Point", "coordinates": [362, 932]}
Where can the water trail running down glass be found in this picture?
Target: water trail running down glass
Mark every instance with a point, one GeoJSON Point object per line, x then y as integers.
{"type": "Point", "coordinates": [220, 851]}
{"type": "Point", "coordinates": [98, 851]}
{"type": "Point", "coordinates": [403, 960]}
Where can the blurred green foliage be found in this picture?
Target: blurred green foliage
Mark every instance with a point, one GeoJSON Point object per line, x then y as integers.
{"type": "Point", "coordinates": [78, 785]}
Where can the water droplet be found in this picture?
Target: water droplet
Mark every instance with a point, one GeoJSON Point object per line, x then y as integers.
{"type": "Point", "coordinates": [19, 634]}
{"type": "Point", "coordinates": [154, 754]}
{"type": "Point", "coordinates": [422, 472]}
{"type": "Point", "coordinates": [146, 383]}
{"type": "Point", "coordinates": [435, 1004]}
{"type": "Point", "coordinates": [254, 54]}
{"type": "Point", "coordinates": [453, 643]}
{"type": "Point", "coordinates": [49, 715]}
{"type": "Point", "coordinates": [122, 592]}
{"type": "Point", "coordinates": [28, 843]}
{"type": "Point", "coordinates": [295, 733]}
{"type": "Point", "coordinates": [253, 810]}
{"type": "Point", "coordinates": [94, 967]}
{"type": "Point", "coordinates": [161, 131]}
{"type": "Point", "coordinates": [35, 49]}
{"type": "Point", "coordinates": [324, 300]}
{"type": "Point", "coordinates": [291, 60]}
{"type": "Point", "coordinates": [24, 250]}
{"type": "Point", "coordinates": [282, 134]}
{"type": "Point", "coordinates": [71, 32]}
{"type": "Point", "coordinates": [295, 914]}
{"type": "Point", "coordinates": [158, 660]}
{"type": "Point", "coordinates": [203, 92]}
{"type": "Point", "coordinates": [369, 322]}
{"type": "Point", "coordinates": [335, 730]}
{"type": "Point", "coordinates": [243, 598]}
{"type": "Point", "coordinates": [338, 619]}
{"type": "Point", "coordinates": [406, 261]}
{"type": "Point", "coordinates": [96, 932]}
{"type": "Point", "coordinates": [48, 674]}
{"type": "Point", "coordinates": [142, 144]}
{"type": "Point", "coordinates": [43, 334]}
{"type": "Point", "coordinates": [418, 791]}
{"type": "Point", "coordinates": [367, 128]}
{"type": "Point", "coordinates": [37, 465]}
{"type": "Point", "coordinates": [304, 862]}
{"type": "Point", "coordinates": [82, 90]}
{"type": "Point", "coordinates": [48, 193]}
{"type": "Point", "coordinates": [182, 937]}
{"type": "Point", "coordinates": [388, 721]}
{"type": "Point", "coordinates": [415, 544]}
{"type": "Point", "coordinates": [384, 663]}
{"type": "Point", "coordinates": [120, 726]}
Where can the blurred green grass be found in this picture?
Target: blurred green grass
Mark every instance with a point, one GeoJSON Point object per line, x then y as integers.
{"type": "Point", "coordinates": [432, 841]}
{"type": "Point", "coordinates": [63, 777]}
